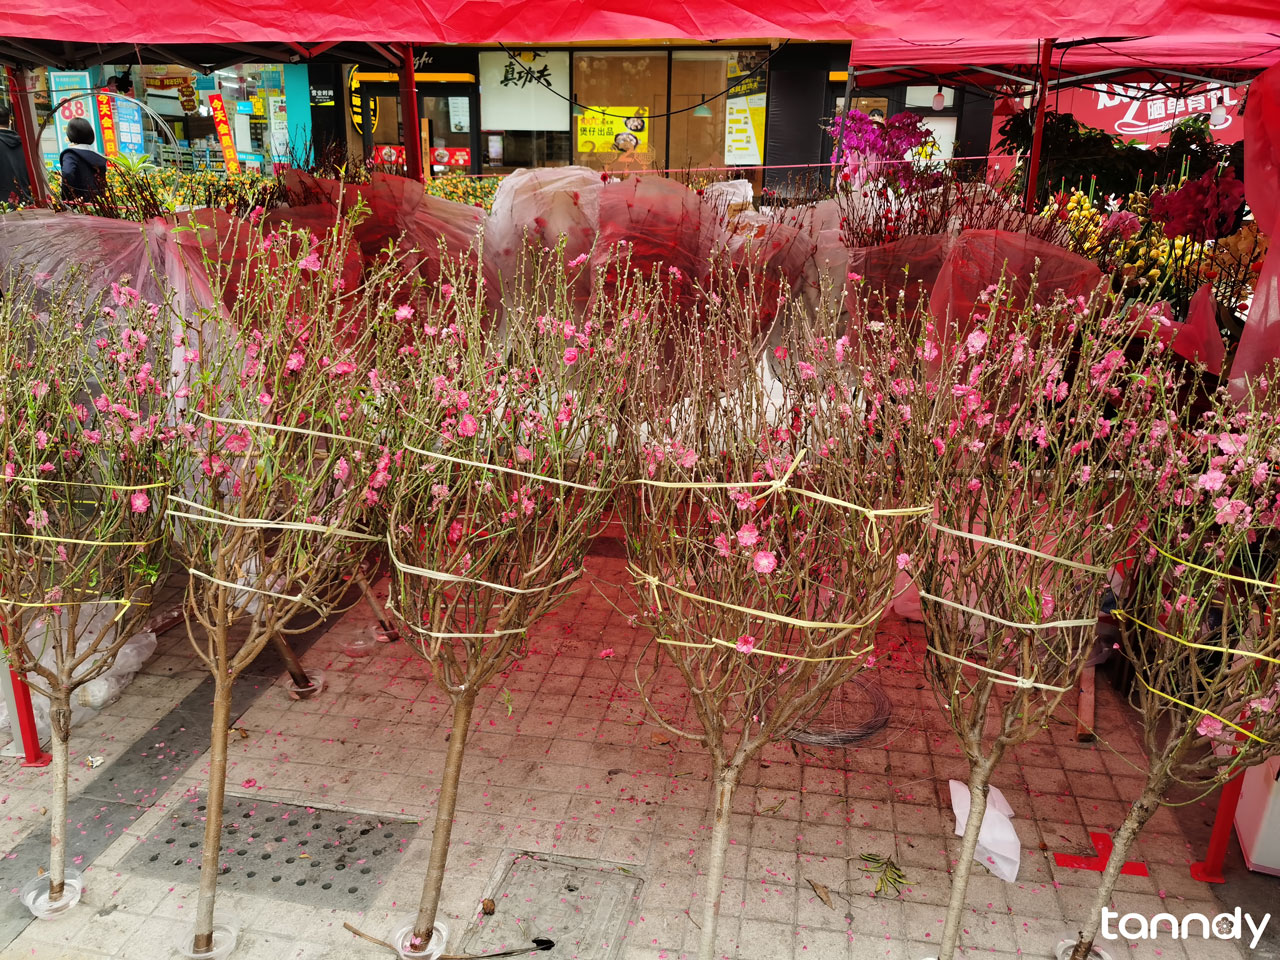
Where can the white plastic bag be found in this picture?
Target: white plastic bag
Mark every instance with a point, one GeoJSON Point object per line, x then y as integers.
{"type": "Point", "coordinates": [999, 848]}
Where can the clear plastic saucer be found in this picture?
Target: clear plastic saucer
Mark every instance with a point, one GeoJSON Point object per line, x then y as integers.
{"type": "Point", "coordinates": [35, 895]}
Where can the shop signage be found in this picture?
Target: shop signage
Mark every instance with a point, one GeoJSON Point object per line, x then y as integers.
{"type": "Point", "coordinates": [107, 124]}
{"type": "Point", "coordinates": [244, 106]}
{"type": "Point", "coordinates": [389, 153]}
{"type": "Point", "coordinates": [744, 119]}
{"type": "Point", "coordinates": [187, 98]}
{"type": "Point", "coordinates": [223, 127]}
{"type": "Point", "coordinates": [322, 96]}
{"type": "Point", "coordinates": [527, 92]}
{"type": "Point", "coordinates": [278, 126]}
{"type": "Point", "coordinates": [1149, 111]}
{"type": "Point", "coordinates": [356, 105]}
{"type": "Point", "coordinates": [165, 83]}
{"type": "Point", "coordinates": [129, 126]}
{"type": "Point", "coordinates": [451, 156]}
{"type": "Point", "coordinates": [64, 84]}
{"type": "Point", "coordinates": [613, 130]}
{"type": "Point", "coordinates": [1146, 111]}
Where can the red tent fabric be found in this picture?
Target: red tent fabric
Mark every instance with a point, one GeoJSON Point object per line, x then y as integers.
{"type": "Point", "coordinates": [569, 21]}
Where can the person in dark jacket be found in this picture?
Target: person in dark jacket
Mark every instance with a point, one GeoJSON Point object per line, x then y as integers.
{"type": "Point", "coordinates": [14, 184]}
{"type": "Point", "coordinates": [84, 171]}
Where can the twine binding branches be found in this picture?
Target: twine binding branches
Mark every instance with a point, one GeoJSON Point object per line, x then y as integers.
{"type": "Point", "coordinates": [454, 578]}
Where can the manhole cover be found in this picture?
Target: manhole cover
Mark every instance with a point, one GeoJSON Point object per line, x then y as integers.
{"type": "Point", "coordinates": [312, 856]}
{"type": "Point", "coordinates": [585, 906]}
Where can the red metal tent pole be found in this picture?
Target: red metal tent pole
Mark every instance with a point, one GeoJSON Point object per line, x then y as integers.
{"type": "Point", "coordinates": [26, 126]}
{"type": "Point", "coordinates": [30, 736]}
{"type": "Point", "coordinates": [1037, 139]}
{"type": "Point", "coordinates": [409, 113]}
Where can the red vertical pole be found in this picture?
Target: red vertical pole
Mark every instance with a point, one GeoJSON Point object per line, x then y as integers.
{"type": "Point", "coordinates": [1209, 870]}
{"type": "Point", "coordinates": [1037, 139]}
{"type": "Point", "coordinates": [25, 122]}
{"type": "Point", "coordinates": [35, 757]}
{"type": "Point", "coordinates": [409, 113]}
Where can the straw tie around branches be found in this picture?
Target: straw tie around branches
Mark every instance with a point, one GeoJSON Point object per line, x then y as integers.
{"type": "Point", "coordinates": [454, 578]}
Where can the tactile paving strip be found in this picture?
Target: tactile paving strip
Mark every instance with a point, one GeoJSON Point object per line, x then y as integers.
{"type": "Point", "coordinates": [320, 857]}
{"type": "Point", "coordinates": [585, 906]}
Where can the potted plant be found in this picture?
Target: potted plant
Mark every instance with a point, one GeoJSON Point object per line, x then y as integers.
{"type": "Point", "coordinates": [509, 459]}
{"type": "Point", "coordinates": [279, 482]}
{"type": "Point", "coordinates": [765, 532]}
{"type": "Point", "coordinates": [1034, 411]}
{"type": "Point", "coordinates": [82, 499]}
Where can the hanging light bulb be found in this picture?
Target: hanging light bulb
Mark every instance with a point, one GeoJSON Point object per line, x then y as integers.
{"type": "Point", "coordinates": [1218, 115]}
{"type": "Point", "coordinates": [939, 99]}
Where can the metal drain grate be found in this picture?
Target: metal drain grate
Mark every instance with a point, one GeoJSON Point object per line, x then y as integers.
{"type": "Point", "coordinates": [319, 857]}
{"type": "Point", "coordinates": [585, 906]}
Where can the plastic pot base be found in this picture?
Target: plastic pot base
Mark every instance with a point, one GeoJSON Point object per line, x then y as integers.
{"type": "Point", "coordinates": [35, 895]}
{"type": "Point", "coordinates": [1066, 946]}
{"type": "Point", "coordinates": [431, 950]}
{"type": "Point", "coordinates": [224, 941]}
{"type": "Point", "coordinates": [306, 693]}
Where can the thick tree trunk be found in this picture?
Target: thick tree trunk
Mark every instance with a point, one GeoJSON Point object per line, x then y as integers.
{"type": "Point", "coordinates": [445, 810]}
{"type": "Point", "coordinates": [60, 722]}
{"type": "Point", "coordinates": [211, 854]}
{"type": "Point", "coordinates": [1139, 813]}
{"type": "Point", "coordinates": [979, 779]}
{"type": "Point", "coordinates": [726, 780]}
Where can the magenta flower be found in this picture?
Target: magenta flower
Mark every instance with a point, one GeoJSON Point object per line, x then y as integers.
{"type": "Point", "coordinates": [722, 545]}
{"type": "Point", "coordinates": [571, 356]}
{"type": "Point", "coordinates": [37, 521]}
{"type": "Point", "coordinates": [342, 470]}
{"type": "Point", "coordinates": [748, 535]}
{"type": "Point", "coordinates": [904, 561]}
{"type": "Point", "coordinates": [310, 262]}
{"type": "Point", "coordinates": [264, 398]}
{"type": "Point", "coordinates": [606, 653]}
{"type": "Point", "coordinates": [140, 502]}
{"type": "Point", "coordinates": [764, 561]}
{"type": "Point", "coordinates": [468, 426]}
{"type": "Point", "coordinates": [746, 643]}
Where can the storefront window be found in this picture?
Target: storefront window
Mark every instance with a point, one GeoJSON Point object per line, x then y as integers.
{"type": "Point", "coordinates": [621, 127]}
{"type": "Point", "coordinates": [524, 109]}
{"type": "Point", "coordinates": [713, 129]}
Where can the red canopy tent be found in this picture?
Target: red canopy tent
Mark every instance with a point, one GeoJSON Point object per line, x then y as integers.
{"type": "Point", "coordinates": [577, 21]}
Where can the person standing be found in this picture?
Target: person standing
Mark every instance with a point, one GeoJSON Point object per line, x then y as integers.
{"type": "Point", "coordinates": [15, 187]}
{"type": "Point", "coordinates": [84, 170]}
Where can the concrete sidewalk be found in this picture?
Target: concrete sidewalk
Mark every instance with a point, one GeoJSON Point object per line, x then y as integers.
{"type": "Point", "coordinates": [563, 764]}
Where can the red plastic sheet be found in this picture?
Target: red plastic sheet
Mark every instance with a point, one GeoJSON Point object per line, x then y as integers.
{"type": "Point", "coordinates": [980, 258]}
{"type": "Point", "coordinates": [564, 21]}
{"type": "Point", "coordinates": [1260, 343]}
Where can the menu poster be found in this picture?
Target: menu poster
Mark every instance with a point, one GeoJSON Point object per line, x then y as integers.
{"type": "Point", "coordinates": [613, 129]}
{"type": "Point", "coordinates": [129, 126]}
{"type": "Point", "coordinates": [744, 119]}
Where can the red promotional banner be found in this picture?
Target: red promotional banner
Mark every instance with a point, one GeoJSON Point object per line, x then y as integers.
{"type": "Point", "coordinates": [107, 123]}
{"type": "Point", "coordinates": [451, 156]}
{"type": "Point", "coordinates": [223, 126]}
{"type": "Point", "coordinates": [393, 153]}
{"type": "Point", "coordinates": [1147, 112]}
